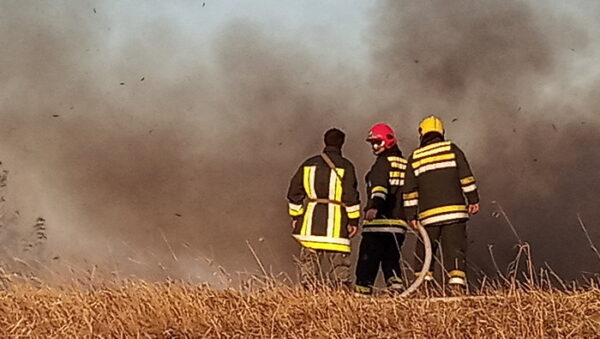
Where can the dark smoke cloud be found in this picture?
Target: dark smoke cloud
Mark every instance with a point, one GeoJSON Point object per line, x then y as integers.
{"type": "Point", "coordinates": [201, 149]}
{"type": "Point", "coordinates": [492, 70]}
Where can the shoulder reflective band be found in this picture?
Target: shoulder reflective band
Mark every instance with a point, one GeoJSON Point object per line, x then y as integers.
{"type": "Point", "coordinates": [423, 151]}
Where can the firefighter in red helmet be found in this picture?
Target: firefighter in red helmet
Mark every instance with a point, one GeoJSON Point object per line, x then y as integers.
{"type": "Point", "coordinates": [384, 223]}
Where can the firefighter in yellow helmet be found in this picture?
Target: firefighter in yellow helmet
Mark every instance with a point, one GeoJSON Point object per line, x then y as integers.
{"type": "Point", "coordinates": [325, 209]}
{"type": "Point", "coordinates": [440, 193]}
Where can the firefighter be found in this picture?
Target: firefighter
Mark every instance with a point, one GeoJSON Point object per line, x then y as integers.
{"type": "Point", "coordinates": [439, 193]}
{"type": "Point", "coordinates": [325, 209]}
{"type": "Point", "coordinates": [384, 223]}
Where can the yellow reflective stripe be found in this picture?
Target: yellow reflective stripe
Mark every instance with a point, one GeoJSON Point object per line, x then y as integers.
{"type": "Point", "coordinates": [379, 189]}
{"type": "Point", "coordinates": [354, 215]}
{"type": "Point", "coordinates": [337, 222]}
{"type": "Point", "coordinates": [467, 180]}
{"type": "Point", "coordinates": [443, 209]}
{"type": "Point", "coordinates": [326, 246]}
{"type": "Point", "coordinates": [331, 207]}
{"type": "Point", "coordinates": [427, 274]}
{"type": "Point", "coordinates": [432, 146]}
{"type": "Point", "coordinates": [409, 196]}
{"type": "Point", "coordinates": [309, 181]}
{"type": "Point", "coordinates": [398, 165]}
{"type": "Point", "coordinates": [397, 222]}
{"type": "Point", "coordinates": [307, 220]}
{"type": "Point", "coordinates": [397, 159]}
{"type": "Point", "coordinates": [432, 152]}
{"type": "Point", "coordinates": [295, 213]}
{"type": "Point", "coordinates": [457, 273]}
{"type": "Point", "coordinates": [324, 243]}
{"type": "Point", "coordinates": [362, 289]}
{"type": "Point", "coordinates": [295, 207]}
{"type": "Point", "coordinates": [397, 174]}
{"type": "Point", "coordinates": [429, 160]}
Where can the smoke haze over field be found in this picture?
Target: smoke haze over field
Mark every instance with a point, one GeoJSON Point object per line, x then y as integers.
{"type": "Point", "coordinates": [121, 127]}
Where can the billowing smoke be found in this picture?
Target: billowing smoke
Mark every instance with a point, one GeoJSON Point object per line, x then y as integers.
{"type": "Point", "coordinates": [149, 152]}
{"type": "Point", "coordinates": [501, 75]}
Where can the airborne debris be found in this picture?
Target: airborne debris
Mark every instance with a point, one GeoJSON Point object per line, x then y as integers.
{"type": "Point", "coordinates": [203, 4]}
{"type": "Point", "coordinates": [177, 214]}
{"type": "Point", "coordinates": [94, 11]}
{"type": "Point", "coordinates": [554, 126]}
{"type": "Point", "coordinates": [142, 79]}
{"type": "Point", "coordinates": [55, 115]}
{"type": "Point", "coordinates": [455, 119]}
{"type": "Point", "coordinates": [416, 61]}
{"type": "Point", "coordinates": [121, 83]}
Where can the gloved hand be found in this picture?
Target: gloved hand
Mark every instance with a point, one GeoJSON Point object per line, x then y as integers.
{"type": "Point", "coordinates": [371, 214]}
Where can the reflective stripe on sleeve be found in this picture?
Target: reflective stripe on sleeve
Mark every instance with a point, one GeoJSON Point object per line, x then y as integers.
{"type": "Point", "coordinates": [411, 202]}
{"type": "Point", "coordinates": [397, 174]}
{"type": "Point", "coordinates": [470, 188]}
{"type": "Point", "coordinates": [398, 165]}
{"type": "Point", "coordinates": [396, 182]}
{"type": "Point", "coordinates": [412, 195]}
{"type": "Point", "coordinates": [467, 180]}
{"type": "Point", "coordinates": [353, 211]}
{"type": "Point", "coordinates": [295, 209]}
{"type": "Point", "coordinates": [396, 159]}
{"type": "Point", "coordinates": [379, 195]}
{"type": "Point", "coordinates": [379, 189]}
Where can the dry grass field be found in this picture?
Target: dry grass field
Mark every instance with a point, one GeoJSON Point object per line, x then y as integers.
{"type": "Point", "coordinates": [173, 309]}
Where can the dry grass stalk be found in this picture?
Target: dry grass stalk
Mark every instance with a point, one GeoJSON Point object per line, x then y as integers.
{"type": "Point", "coordinates": [137, 308]}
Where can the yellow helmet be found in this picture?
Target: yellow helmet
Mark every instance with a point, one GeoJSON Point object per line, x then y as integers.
{"type": "Point", "coordinates": [431, 124]}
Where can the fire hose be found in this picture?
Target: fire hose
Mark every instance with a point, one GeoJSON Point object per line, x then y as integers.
{"type": "Point", "coordinates": [426, 263]}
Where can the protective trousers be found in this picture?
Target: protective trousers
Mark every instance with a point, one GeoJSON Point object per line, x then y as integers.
{"type": "Point", "coordinates": [318, 267]}
{"type": "Point", "coordinates": [451, 240]}
{"type": "Point", "coordinates": [378, 249]}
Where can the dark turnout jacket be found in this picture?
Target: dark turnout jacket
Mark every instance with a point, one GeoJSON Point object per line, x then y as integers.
{"type": "Point", "coordinates": [324, 202]}
{"type": "Point", "coordinates": [384, 189]}
{"type": "Point", "coordinates": [438, 181]}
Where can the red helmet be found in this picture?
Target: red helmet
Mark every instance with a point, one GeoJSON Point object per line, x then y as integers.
{"type": "Point", "coordinates": [383, 135]}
